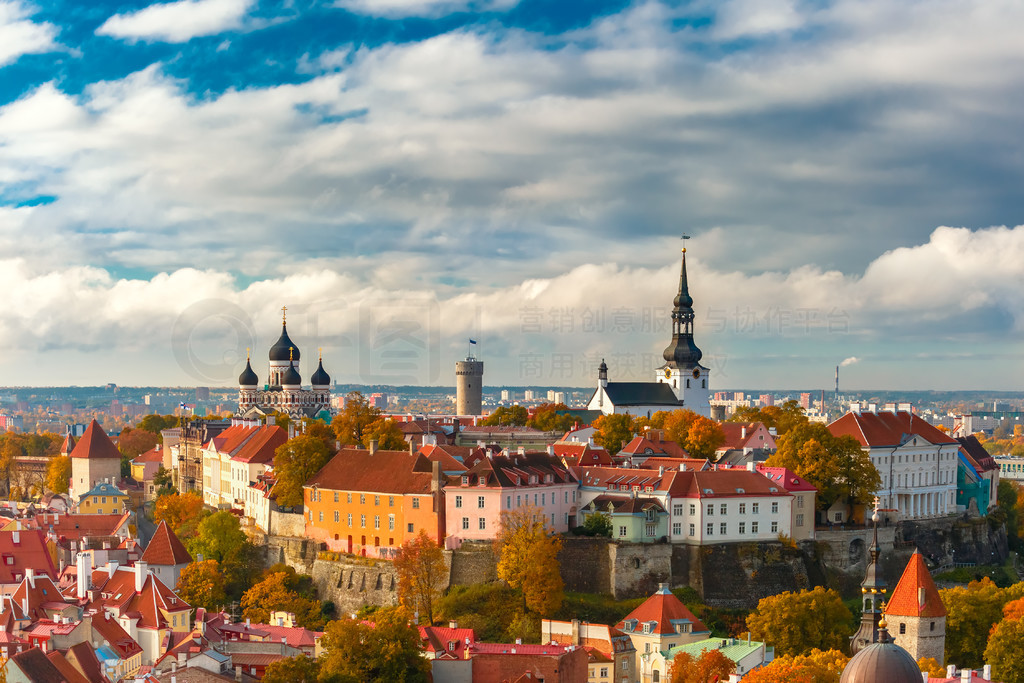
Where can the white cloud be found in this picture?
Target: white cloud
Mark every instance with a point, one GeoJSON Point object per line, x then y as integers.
{"type": "Point", "coordinates": [21, 36]}
{"type": "Point", "coordinates": [422, 8]}
{"type": "Point", "coordinates": [177, 22]}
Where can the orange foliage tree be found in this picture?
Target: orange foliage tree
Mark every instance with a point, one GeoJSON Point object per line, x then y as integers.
{"type": "Point", "coordinates": [710, 667]}
{"type": "Point", "coordinates": [181, 511]}
{"type": "Point", "coordinates": [422, 575]}
{"type": "Point", "coordinates": [528, 559]}
{"type": "Point", "coordinates": [817, 666]}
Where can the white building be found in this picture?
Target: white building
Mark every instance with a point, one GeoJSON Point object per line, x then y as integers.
{"type": "Point", "coordinates": [235, 458]}
{"type": "Point", "coordinates": [681, 383]}
{"type": "Point", "coordinates": [916, 462]}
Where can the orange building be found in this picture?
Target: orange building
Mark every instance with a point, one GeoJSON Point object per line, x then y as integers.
{"type": "Point", "coordinates": [370, 502]}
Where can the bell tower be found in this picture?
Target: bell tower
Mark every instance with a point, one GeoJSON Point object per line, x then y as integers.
{"type": "Point", "coordinates": [872, 591]}
{"type": "Point", "coordinates": [682, 369]}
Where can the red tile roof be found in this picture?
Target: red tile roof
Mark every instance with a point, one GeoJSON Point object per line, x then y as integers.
{"type": "Point", "coordinates": [736, 438]}
{"type": "Point", "coordinates": [40, 592]}
{"type": "Point", "coordinates": [156, 454]}
{"type": "Point", "coordinates": [37, 667]}
{"type": "Point", "coordinates": [66, 669]}
{"type": "Point", "coordinates": [87, 662]}
{"type": "Point", "coordinates": [67, 445]}
{"type": "Point", "coordinates": [663, 608]}
{"type": "Point", "coordinates": [645, 446]}
{"type": "Point", "coordinates": [165, 549]}
{"type": "Point", "coordinates": [915, 595]}
{"type": "Point", "coordinates": [261, 445]}
{"type": "Point", "coordinates": [724, 483]}
{"type": "Point", "coordinates": [450, 457]}
{"type": "Point", "coordinates": [76, 527]}
{"type": "Point", "coordinates": [886, 429]}
{"type": "Point", "coordinates": [354, 469]}
{"type": "Point", "coordinates": [583, 454]}
{"type": "Point", "coordinates": [120, 642]}
{"type": "Point", "coordinates": [781, 476]}
{"type": "Point", "coordinates": [445, 640]}
{"type": "Point", "coordinates": [29, 552]}
{"type": "Point", "coordinates": [95, 444]}
{"type": "Point", "coordinates": [517, 649]}
{"type": "Point", "coordinates": [673, 463]}
{"type": "Point", "coordinates": [118, 593]}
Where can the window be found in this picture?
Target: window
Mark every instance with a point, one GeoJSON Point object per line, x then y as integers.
{"type": "Point", "coordinates": [775, 508]}
{"type": "Point", "coordinates": [480, 501]}
{"type": "Point", "coordinates": [458, 501]}
{"type": "Point", "coordinates": [677, 510]}
{"type": "Point", "coordinates": [321, 515]}
{"type": "Point", "coordinates": [693, 530]}
{"type": "Point", "coordinates": [350, 520]}
{"type": "Point", "coordinates": [415, 503]}
{"type": "Point", "coordinates": [722, 529]}
{"type": "Point", "coordinates": [410, 527]}
{"type": "Point", "coordinates": [743, 508]}
{"type": "Point", "coordinates": [566, 497]}
{"type": "Point", "coordinates": [391, 522]}
{"type": "Point", "coordinates": [362, 499]}
{"type": "Point", "coordinates": [622, 531]}
{"type": "Point", "coordinates": [656, 676]}
{"type": "Point", "coordinates": [482, 523]}
{"type": "Point", "coordinates": [465, 480]}
{"type": "Point", "coordinates": [337, 497]}
{"type": "Point", "coordinates": [800, 502]}
{"type": "Point", "coordinates": [754, 507]}
{"type": "Point", "coordinates": [931, 627]}
{"type": "Point", "coordinates": [693, 509]}
{"type": "Point", "coordinates": [711, 529]}
{"type": "Point", "coordinates": [775, 527]}
{"type": "Point", "coordinates": [800, 520]}
{"type": "Point", "coordinates": [95, 499]}
{"type": "Point", "coordinates": [465, 522]}
{"type": "Point", "coordinates": [376, 500]}
{"type": "Point", "coordinates": [647, 627]}
{"type": "Point", "coordinates": [903, 629]}
{"type": "Point", "coordinates": [677, 529]}
{"type": "Point", "coordinates": [604, 672]}
{"type": "Point", "coordinates": [391, 501]}
{"type": "Point", "coordinates": [743, 527]}
{"type": "Point", "coordinates": [723, 509]}
{"type": "Point", "coordinates": [543, 499]}
{"type": "Point", "coordinates": [349, 497]}
{"type": "Point", "coordinates": [711, 509]}
{"type": "Point", "coordinates": [376, 521]}
{"type": "Point", "coordinates": [625, 663]}
{"type": "Point", "coordinates": [753, 527]}
{"type": "Point", "coordinates": [839, 516]}
{"type": "Point", "coordinates": [337, 516]}
{"type": "Point", "coordinates": [362, 521]}
{"type": "Point", "coordinates": [508, 502]}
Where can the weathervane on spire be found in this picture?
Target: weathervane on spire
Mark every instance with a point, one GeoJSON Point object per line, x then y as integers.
{"type": "Point", "coordinates": [684, 238]}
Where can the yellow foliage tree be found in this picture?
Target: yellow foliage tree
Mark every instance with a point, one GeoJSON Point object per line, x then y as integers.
{"type": "Point", "coordinates": [972, 611]}
{"type": "Point", "coordinates": [931, 666]}
{"type": "Point", "coordinates": [201, 584]}
{"type": "Point", "coordinates": [712, 666]}
{"type": "Point", "coordinates": [817, 666]}
{"type": "Point", "coordinates": [422, 575]}
{"type": "Point", "coordinates": [58, 474]}
{"type": "Point", "coordinates": [798, 622]}
{"type": "Point", "coordinates": [528, 559]}
{"type": "Point", "coordinates": [1005, 651]}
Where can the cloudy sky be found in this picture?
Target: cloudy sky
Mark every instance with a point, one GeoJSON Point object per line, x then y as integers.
{"type": "Point", "coordinates": [406, 174]}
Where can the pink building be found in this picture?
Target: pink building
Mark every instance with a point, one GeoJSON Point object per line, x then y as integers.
{"type": "Point", "coordinates": [475, 500]}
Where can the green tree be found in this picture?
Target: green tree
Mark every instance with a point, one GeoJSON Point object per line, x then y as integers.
{"type": "Point", "coordinates": [353, 419]}
{"type": "Point", "coordinates": [218, 537]}
{"type": "Point", "coordinates": [613, 431]}
{"type": "Point", "coordinates": [387, 651]}
{"type": "Point", "coordinates": [598, 524]}
{"type": "Point", "coordinates": [387, 433]}
{"type": "Point", "coordinates": [516, 416]}
{"type": "Point", "coordinates": [295, 462]}
{"type": "Point", "coordinates": [58, 474]}
{"type": "Point", "coordinates": [546, 418]}
{"type": "Point", "coordinates": [298, 669]}
{"type": "Point", "coordinates": [836, 466]}
{"type": "Point", "coordinates": [422, 575]}
{"type": "Point", "coordinates": [798, 622]}
{"type": "Point", "coordinates": [163, 482]}
{"type": "Point", "coordinates": [201, 584]}
{"type": "Point", "coordinates": [157, 423]}
{"type": "Point", "coordinates": [528, 559]}
{"type": "Point", "coordinates": [1005, 651]}
{"type": "Point", "coordinates": [276, 593]}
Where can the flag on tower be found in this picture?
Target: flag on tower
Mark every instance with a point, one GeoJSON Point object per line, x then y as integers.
{"type": "Point", "coordinates": [472, 341]}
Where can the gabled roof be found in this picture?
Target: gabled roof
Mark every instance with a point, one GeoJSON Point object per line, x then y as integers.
{"type": "Point", "coordinates": [121, 644]}
{"type": "Point", "coordinates": [77, 526]}
{"type": "Point", "coordinates": [165, 549]}
{"type": "Point", "coordinates": [117, 592]}
{"type": "Point", "coordinates": [38, 668]}
{"type": "Point", "coordinates": [641, 393]}
{"type": "Point", "coordinates": [582, 454]}
{"type": "Point", "coordinates": [736, 437]}
{"type": "Point", "coordinates": [84, 658]}
{"type": "Point", "coordinates": [261, 446]}
{"type": "Point", "coordinates": [67, 445]}
{"type": "Point", "coordinates": [510, 471]}
{"type": "Point", "coordinates": [625, 506]}
{"type": "Point", "coordinates": [29, 552]}
{"type": "Point", "coordinates": [450, 457]}
{"type": "Point", "coordinates": [887, 429]}
{"type": "Point", "coordinates": [41, 592]}
{"type": "Point", "coordinates": [354, 469]}
{"type": "Point", "coordinates": [663, 611]}
{"type": "Point", "coordinates": [916, 595]}
{"type": "Point", "coordinates": [155, 454]}
{"type": "Point", "coordinates": [103, 489]}
{"type": "Point", "coordinates": [976, 454]}
{"type": "Point", "coordinates": [673, 463]}
{"type": "Point", "coordinates": [450, 641]}
{"type": "Point", "coordinates": [66, 669]}
{"type": "Point", "coordinates": [724, 484]}
{"type": "Point", "coordinates": [642, 445]}
{"type": "Point", "coordinates": [95, 444]}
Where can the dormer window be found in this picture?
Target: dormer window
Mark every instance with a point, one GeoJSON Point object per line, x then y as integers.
{"type": "Point", "coordinates": [482, 480]}
{"type": "Point", "coordinates": [451, 646]}
{"type": "Point", "coordinates": [548, 478]}
{"type": "Point", "coordinates": [533, 478]}
{"type": "Point", "coordinates": [465, 481]}
{"type": "Point", "coordinates": [647, 627]}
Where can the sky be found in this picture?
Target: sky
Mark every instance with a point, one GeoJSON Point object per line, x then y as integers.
{"type": "Point", "coordinates": [406, 175]}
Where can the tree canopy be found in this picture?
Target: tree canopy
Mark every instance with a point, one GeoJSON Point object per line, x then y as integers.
{"type": "Point", "coordinates": [837, 466]}
{"type": "Point", "coordinates": [352, 420]}
{"type": "Point", "coordinates": [157, 423]}
{"type": "Point", "coordinates": [613, 431]}
{"type": "Point", "coordinates": [422, 575]}
{"type": "Point", "coordinates": [797, 622]}
{"type": "Point", "coordinates": [278, 592]}
{"type": "Point", "coordinates": [181, 511]}
{"type": "Point", "coordinates": [295, 461]}
{"type": "Point", "coordinates": [201, 584]}
{"type": "Point", "coordinates": [546, 418]}
{"type": "Point", "coordinates": [387, 433]}
{"type": "Point", "coordinates": [783, 418]}
{"type": "Point", "coordinates": [58, 474]}
{"type": "Point", "coordinates": [971, 612]}
{"type": "Point", "coordinates": [816, 666]}
{"type": "Point", "coordinates": [528, 559]}
{"type": "Point", "coordinates": [710, 667]}
{"type": "Point", "coordinates": [388, 650]}
{"type": "Point", "coordinates": [506, 415]}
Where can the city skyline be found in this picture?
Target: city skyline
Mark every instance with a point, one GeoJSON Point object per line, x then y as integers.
{"type": "Point", "coordinates": [433, 171]}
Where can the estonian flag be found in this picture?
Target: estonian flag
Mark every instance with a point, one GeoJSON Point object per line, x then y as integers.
{"type": "Point", "coordinates": [472, 341]}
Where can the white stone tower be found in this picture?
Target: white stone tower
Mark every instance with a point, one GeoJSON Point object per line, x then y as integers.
{"type": "Point", "coordinates": [469, 384]}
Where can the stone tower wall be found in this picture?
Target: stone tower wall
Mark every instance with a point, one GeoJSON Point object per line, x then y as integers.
{"type": "Point", "coordinates": [469, 380]}
{"type": "Point", "coordinates": [920, 639]}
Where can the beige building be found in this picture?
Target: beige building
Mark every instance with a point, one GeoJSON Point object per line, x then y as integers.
{"type": "Point", "coordinates": [611, 652]}
{"type": "Point", "coordinates": [660, 623]}
{"type": "Point", "coordinates": [94, 459]}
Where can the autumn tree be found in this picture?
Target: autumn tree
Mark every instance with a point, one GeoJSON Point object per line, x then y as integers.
{"type": "Point", "coordinates": [295, 462]}
{"type": "Point", "coordinates": [704, 438]}
{"type": "Point", "coordinates": [157, 423]}
{"type": "Point", "coordinates": [836, 465]}
{"type": "Point", "coordinates": [613, 432]}
{"type": "Point", "coordinates": [181, 511]}
{"type": "Point", "coordinates": [422, 575]}
{"type": "Point", "coordinates": [816, 666]}
{"type": "Point", "coordinates": [598, 524]}
{"type": "Point", "coordinates": [546, 418]}
{"type": "Point", "coordinates": [201, 584]}
{"type": "Point", "coordinates": [58, 474]}
{"type": "Point", "coordinates": [1005, 651]}
{"type": "Point", "coordinates": [783, 418]}
{"type": "Point", "coordinates": [163, 481]}
{"type": "Point", "coordinates": [677, 425]}
{"type": "Point", "coordinates": [388, 650]}
{"type": "Point", "coordinates": [276, 593]}
{"type": "Point", "coordinates": [516, 416]}
{"type": "Point", "coordinates": [386, 433]}
{"type": "Point", "coordinates": [971, 612]}
{"type": "Point", "coordinates": [219, 536]}
{"type": "Point", "coordinates": [931, 666]}
{"type": "Point", "coordinates": [710, 667]}
{"type": "Point", "coordinates": [353, 419]}
{"type": "Point", "coordinates": [797, 622]}
{"type": "Point", "coordinates": [528, 559]}
{"type": "Point", "coordinates": [297, 669]}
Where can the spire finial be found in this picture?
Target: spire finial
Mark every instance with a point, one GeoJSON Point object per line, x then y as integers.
{"type": "Point", "coordinates": [284, 315]}
{"type": "Point", "coordinates": [248, 351]}
{"type": "Point", "coordinates": [320, 351]}
{"type": "Point", "coordinates": [291, 354]}
{"type": "Point", "coordinates": [684, 238]}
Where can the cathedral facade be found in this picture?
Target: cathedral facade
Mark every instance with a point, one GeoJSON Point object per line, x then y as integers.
{"type": "Point", "coordinates": [283, 392]}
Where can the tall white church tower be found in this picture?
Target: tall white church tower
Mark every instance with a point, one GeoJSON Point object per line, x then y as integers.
{"type": "Point", "coordinates": [682, 369]}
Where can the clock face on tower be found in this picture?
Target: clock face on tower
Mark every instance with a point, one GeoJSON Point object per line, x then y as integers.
{"type": "Point", "coordinates": [668, 373]}
{"type": "Point", "coordinates": [696, 373]}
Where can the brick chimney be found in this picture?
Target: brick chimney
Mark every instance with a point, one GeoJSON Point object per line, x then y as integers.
{"type": "Point", "coordinates": [373, 446]}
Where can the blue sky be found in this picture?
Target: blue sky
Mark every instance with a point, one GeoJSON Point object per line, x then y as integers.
{"type": "Point", "coordinates": [415, 172]}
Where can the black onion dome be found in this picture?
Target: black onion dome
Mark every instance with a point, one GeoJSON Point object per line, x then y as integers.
{"type": "Point", "coordinates": [884, 662]}
{"type": "Point", "coordinates": [284, 348]}
{"type": "Point", "coordinates": [320, 378]}
{"type": "Point", "coordinates": [291, 377]}
{"type": "Point", "coordinates": [248, 378]}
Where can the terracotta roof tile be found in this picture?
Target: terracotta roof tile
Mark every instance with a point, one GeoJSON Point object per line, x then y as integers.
{"type": "Point", "coordinates": [29, 552]}
{"type": "Point", "coordinates": [66, 669]}
{"type": "Point", "coordinates": [916, 595]}
{"type": "Point", "coordinates": [37, 667]}
{"type": "Point", "coordinates": [663, 608]}
{"type": "Point", "coordinates": [95, 444]}
{"type": "Point", "coordinates": [887, 429]}
{"type": "Point", "coordinates": [354, 469]}
{"type": "Point", "coordinates": [165, 549]}
{"type": "Point", "coordinates": [261, 445]}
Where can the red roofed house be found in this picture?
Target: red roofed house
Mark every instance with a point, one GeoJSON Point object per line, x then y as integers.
{"type": "Point", "coordinates": [511, 663]}
{"type": "Point", "coordinates": [118, 650]}
{"type": "Point", "coordinates": [660, 623]}
{"type": "Point", "coordinates": [746, 437]}
{"type": "Point", "coordinates": [94, 458]}
{"type": "Point", "coordinates": [235, 458]}
{"type": "Point", "coordinates": [653, 444]}
{"type": "Point", "coordinates": [916, 461]}
{"type": "Point", "coordinates": [166, 556]}
{"type": "Point", "coordinates": [610, 652]}
{"type": "Point", "coordinates": [144, 469]}
{"type": "Point", "coordinates": [20, 550]}
{"type": "Point", "coordinates": [915, 613]}
{"type": "Point", "coordinates": [804, 493]}
{"type": "Point", "coordinates": [446, 642]}
{"type": "Point", "coordinates": [582, 454]}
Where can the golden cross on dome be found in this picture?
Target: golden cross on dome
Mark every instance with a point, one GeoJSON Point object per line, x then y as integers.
{"type": "Point", "coordinates": [247, 351]}
{"type": "Point", "coordinates": [284, 314]}
{"type": "Point", "coordinates": [877, 503]}
{"type": "Point", "coordinates": [291, 353]}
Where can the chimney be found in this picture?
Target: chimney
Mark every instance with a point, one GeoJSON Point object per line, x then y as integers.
{"type": "Point", "coordinates": [16, 535]}
{"type": "Point", "coordinates": [522, 450]}
{"type": "Point", "coordinates": [986, 672]}
{"type": "Point", "coordinates": [373, 446]}
{"type": "Point", "coordinates": [965, 675]}
{"type": "Point", "coordinates": [140, 575]}
{"type": "Point", "coordinates": [30, 575]}
{"type": "Point", "coordinates": [575, 631]}
{"type": "Point", "coordinates": [453, 624]}
{"type": "Point", "coordinates": [238, 673]}
{"type": "Point", "coordinates": [751, 467]}
{"type": "Point", "coordinates": [682, 467]}
{"type": "Point", "coordinates": [661, 470]}
{"type": "Point", "coordinates": [743, 432]}
{"type": "Point", "coordinates": [551, 449]}
{"type": "Point", "coordinates": [951, 671]}
{"type": "Point", "coordinates": [84, 575]}
{"type": "Point", "coordinates": [412, 447]}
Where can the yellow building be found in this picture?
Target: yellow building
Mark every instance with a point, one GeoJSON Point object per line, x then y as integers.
{"type": "Point", "coordinates": [104, 499]}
